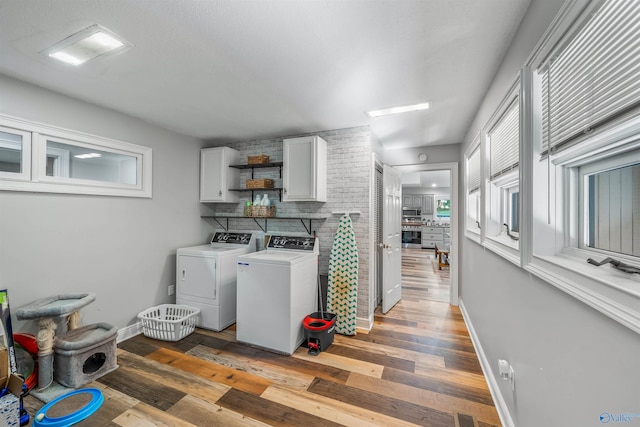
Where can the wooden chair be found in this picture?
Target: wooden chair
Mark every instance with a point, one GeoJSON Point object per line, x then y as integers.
{"type": "Point", "coordinates": [443, 257]}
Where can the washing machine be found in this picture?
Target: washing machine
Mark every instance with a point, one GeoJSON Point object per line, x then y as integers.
{"type": "Point", "coordinates": [277, 288]}
{"type": "Point", "coordinates": [206, 277]}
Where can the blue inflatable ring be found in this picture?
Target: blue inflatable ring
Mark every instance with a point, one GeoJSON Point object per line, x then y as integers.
{"type": "Point", "coordinates": [41, 419]}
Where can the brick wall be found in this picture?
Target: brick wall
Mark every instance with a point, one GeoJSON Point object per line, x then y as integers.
{"type": "Point", "coordinates": [348, 183]}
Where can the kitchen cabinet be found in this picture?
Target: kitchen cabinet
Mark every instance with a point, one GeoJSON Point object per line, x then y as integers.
{"type": "Point", "coordinates": [412, 201]}
{"type": "Point", "coordinates": [216, 177]}
{"type": "Point", "coordinates": [427, 204]}
{"type": "Point", "coordinates": [304, 169]}
{"type": "Point", "coordinates": [432, 236]}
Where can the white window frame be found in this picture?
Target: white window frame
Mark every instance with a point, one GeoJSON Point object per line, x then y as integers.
{"type": "Point", "coordinates": [38, 181]}
{"type": "Point", "coordinates": [496, 200]}
{"type": "Point", "coordinates": [473, 231]}
{"type": "Point", "coordinates": [552, 215]}
{"type": "Point", "coordinates": [508, 208]}
{"type": "Point", "coordinates": [63, 177]}
{"type": "Point", "coordinates": [25, 167]}
{"type": "Point", "coordinates": [595, 167]}
{"type": "Point", "coordinates": [61, 161]}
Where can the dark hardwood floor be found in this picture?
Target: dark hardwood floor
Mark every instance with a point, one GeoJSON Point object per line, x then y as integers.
{"type": "Point", "coordinates": [417, 366]}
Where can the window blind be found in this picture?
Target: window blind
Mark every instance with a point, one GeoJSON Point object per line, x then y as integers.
{"type": "Point", "coordinates": [504, 141]}
{"type": "Point", "coordinates": [596, 78]}
{"type": "Point", "coordinates": [474, 171]}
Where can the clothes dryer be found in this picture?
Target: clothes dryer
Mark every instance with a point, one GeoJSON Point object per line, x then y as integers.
{"type": "Point", "coordinates": [277, 288]}
{"type": "Point", "coordinates": [206, 277]}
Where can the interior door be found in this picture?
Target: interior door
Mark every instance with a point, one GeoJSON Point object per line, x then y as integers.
{"type": "Point", "coordinates": [392, 238]}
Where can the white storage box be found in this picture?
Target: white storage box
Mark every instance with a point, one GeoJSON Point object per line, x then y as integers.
{"type": "Point", "coordinates": [169, 322]}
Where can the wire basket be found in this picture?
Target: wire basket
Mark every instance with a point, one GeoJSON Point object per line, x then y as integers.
{"type": "Point", "coordinates": [169, 322]}
{"type": "Point", "coordinates": [263, 211]}
{"type": "Point", "coordinates": [261, 159]}
{"type": "Point", "coordinates": [260, 183]}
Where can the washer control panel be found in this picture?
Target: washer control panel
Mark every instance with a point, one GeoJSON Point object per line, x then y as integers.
{"type": "Point", "coordinates": [292, 242]}
{"type": "Point", "coordinates": [231, 238]}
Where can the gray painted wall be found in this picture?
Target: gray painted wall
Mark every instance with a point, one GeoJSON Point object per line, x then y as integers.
{"type": "Point", "coordinates": [123, 249]}
{"type": "Point", "coordinates": [571, 362]}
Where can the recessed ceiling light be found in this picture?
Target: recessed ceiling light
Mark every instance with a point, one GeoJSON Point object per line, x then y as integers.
{"type": "Point", "coordinates": [85, 45]}
{"type": "Point", "coordinates": [396, 110]}
{"type": "Point", "coordinates": [87, 156]}
{"type": "Point", "coordinates": [433, 185]}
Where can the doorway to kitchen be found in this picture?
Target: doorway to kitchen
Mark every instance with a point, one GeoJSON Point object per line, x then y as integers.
{"type": "Point", "coordinates": [429, 264]}
{"type": "Point", "coordinates": [411, 273]}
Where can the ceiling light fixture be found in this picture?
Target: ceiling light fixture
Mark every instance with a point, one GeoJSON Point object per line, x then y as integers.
{"type": "Point", "coordinates": [396, 110]}
{"type": "Point", "coordinates": [433, 185]}
{"type": "Point", "coordinates": [84, 45]}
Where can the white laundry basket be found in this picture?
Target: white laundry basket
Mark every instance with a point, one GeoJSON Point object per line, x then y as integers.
{"type": "Point", "coordinates": [169, 322]}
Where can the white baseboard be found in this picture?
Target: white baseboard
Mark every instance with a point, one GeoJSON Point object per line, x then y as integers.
{"type": "Point", "coordinates": [365, 323]}
{"type": "Point", "coordinates": [494, 389]}
{"type": "Point", "coordinates": [129, 332]}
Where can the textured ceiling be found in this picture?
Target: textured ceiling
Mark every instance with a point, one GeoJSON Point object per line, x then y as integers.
{"type": "Point", "coordinates": [241, 70]}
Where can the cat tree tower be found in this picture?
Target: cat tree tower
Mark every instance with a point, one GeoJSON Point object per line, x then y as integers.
{"type": "Point", "coordinates": [78, 357]}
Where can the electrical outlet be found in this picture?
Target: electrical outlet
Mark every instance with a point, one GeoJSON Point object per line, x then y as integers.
{"type": "Point", "coordinates": [171, 289]}
{"type": "Point", "coordinates": [507, 373]}
{"type": "Point", "coordinates": [512, 378]}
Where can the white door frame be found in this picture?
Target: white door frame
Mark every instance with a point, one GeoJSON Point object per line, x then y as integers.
{"type": "Point", "coordinates": [452, 167]}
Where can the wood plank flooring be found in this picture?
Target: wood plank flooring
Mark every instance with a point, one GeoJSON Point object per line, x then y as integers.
{"type": "Point", "coordinates": [417, 366]}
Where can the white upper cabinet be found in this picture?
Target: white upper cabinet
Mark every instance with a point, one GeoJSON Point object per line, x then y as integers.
{"type": "Point", "coordinates": [216, 177]}
{"type": "Point", "coordinates": [427, 204]}
{"type": "Point", "coordinates": [412, 201]}
{"type": "Point", "coordinates": [304, 169]}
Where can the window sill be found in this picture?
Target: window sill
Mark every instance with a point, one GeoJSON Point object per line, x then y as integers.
{"type": "Point", "coordinates": [57, 187]}
{"type": "Point", "coordinates": [505, 247]}
{"type": "Point", "coordinates": [472, 235]}
{"type": "Point", "coordinates": [613, 293]}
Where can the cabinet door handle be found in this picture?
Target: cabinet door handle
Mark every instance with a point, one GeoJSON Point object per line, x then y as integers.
{"type": "Point", "coordinates": [220, 193]}
{"type": "Point", "coordinates": [184, 274]}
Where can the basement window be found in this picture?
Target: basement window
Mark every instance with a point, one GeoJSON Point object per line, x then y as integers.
{"type": "Point", "coordinates": [15, 154]}
{"type": "Point", "coordinates": [611, 212]}
{"type": "Point", "coordinates": [502, 145]}
{"type": "Point", "coordinates": [41, 158]}
{"type": "Point", "coordinates": [586, 159]}
{"type": "Point", "coordinates": [472, 190]}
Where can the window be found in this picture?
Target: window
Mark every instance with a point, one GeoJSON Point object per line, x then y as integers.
{"type": "Point", "coordinates": [586, 158]}
{"type": "Point", "coordinates": [36, 157]}
{"type": "Point", "coordinates": [472, 184]}
{"type": "Point", "coordinates": [513, 210]}
{"type": "Point", "coordinates": [443, 208]}
{"type": "Point", "coordinates": [76, 162]}
{"type": "Point", "coordinates": [611, 206]}
{"type": "Point", "coordinates": [15, 154]}
{"type": "Point", "coordinates": [502, 142]}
